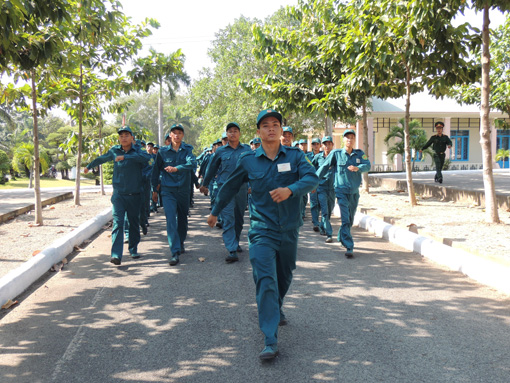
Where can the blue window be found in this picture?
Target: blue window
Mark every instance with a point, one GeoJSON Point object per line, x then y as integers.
{"type": "Point", "coordinates": [503, 142]}
{"type": "Point", "coordinates": [460, 148]}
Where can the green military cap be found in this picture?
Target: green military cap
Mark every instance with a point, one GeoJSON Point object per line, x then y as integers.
{"type": "Point", "coordinates": [233, 124]}
{"type": "Point", "coordinates": [439, 123]}
{"type": "Point", "coordinates": [288, 129]}
{"type": "Point", "coordinates": [268, 113]}
{"type": "Point", "coordinates": [177, 127]}
{"type": "Point", "coordinates": [349, 131]}
{"type": "Point", "coordinates": [257, 140]}
{"type": "Point", "coordinates": [156, 146]}
{"type": "Point", "coordinates": [125, 129]}
{"type": "Point", "coordinates": [150, 143]}
{"type": "Point", "coordinates": [295, 143]}
{"type": "Point", "coordinates": [251, 142]}
{"type": "Point", "coordinates": [316, 141]}
{"type": "Point", "coordinates": [218, 141]}
{"type": "Point", "coordinates": [167, 136]}
{"type": "Point", "coordinates": [328, 138]}
{"type": "Point", "coordinates": [302, 141]}
{"type": "Point", "coordinates": [224, 135]}
{"type": "Point", "coordinates": [143, 143]}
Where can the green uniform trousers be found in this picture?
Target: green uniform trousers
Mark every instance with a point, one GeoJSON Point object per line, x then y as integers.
{"type": "Point", "coordinates": [439, 159]}
{"type": "Point", "coordinates": [273, 258]}
{"type": "Point", "coordinates": [125, 205]}
{"type": "Point", "coordinates": [348, 203]}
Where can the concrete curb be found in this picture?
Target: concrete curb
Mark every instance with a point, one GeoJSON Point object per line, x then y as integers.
{"type": "Point", "coordinates": [49, 201]}
{"type": "Point", "coordinates": [482, 270]}
{"type": "Point", "coordinates": [18, 280]}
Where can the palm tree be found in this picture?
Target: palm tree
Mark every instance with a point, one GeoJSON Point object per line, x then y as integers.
{"type": "Point", "coordinates": [503, 155]}
{"type": "Point", "coordinates": [161, 70]}
{"type": "Point", "coordinates": [417, 140]}
{"type": "Point", "coordinates": [24, 159]}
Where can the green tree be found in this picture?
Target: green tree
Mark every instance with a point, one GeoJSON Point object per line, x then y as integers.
{"type": "Point", "coordinates": [31, 39]}
{"type": "Point", "coordinates": [394, 140]}
{"type": "Point", "coordinates": [493, 90]}
{"type": "Point", "coordinates": [5, 166]}
{"type": "Point", "coordinates": [24, 159]}
{"type": "Point", "coordinates": [409, 40]}
{"type": "Point", "coordinates": [160, 70]}
{"type": "Point", "coordinates": [502, 155]}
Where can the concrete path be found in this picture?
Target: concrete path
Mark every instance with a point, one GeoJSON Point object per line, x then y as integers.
{"type": "Point", "coordinates": [460, 186]}
{"type": "Point", "coordinates": [14, 199]}
{"type": "Point", "coordinates": [471, 180]}
{"type": "Point", "coordinates": [385, 316]}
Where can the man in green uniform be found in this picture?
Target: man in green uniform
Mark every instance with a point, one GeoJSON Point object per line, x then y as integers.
{"type": "Point", "coordinates": [220, 168]}
{"type": "Point", "coordinates": [279, 176]}
{"type": "Point", "coordinates": [326, 190]}
{"type": "Point", "coordinates": [175, 163]}
{"type": "Point", "coordinates": [348, 164]}
{"type": "Point", "coordinates": [127, 185]}
{"type": "Point", "coordinates": [439, 144]}
{"type": "Point", "coordinates": [287, 137]}
{"type": "Point", "coordinates": [314, 197]}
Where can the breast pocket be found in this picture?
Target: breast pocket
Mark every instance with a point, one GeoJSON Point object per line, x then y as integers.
{"type": "Point", "coordinates": [341, 166]}
{"type": "Point", "coordinates": [257, 182]}
{"type": "Point", "coordinates": [284, 179]}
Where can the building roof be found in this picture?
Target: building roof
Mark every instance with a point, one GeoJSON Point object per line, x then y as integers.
{"type": "Point", "coordinates": [425, 105]}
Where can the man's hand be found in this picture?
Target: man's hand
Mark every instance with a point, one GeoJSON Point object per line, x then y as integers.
{"type": "Point", "coordinates": [211, 220]}
{"type": "Point", "coordinates": [155, 196]}
{"type": "Point", "coordinates": [119, 158]}
{"type": "Point", "coordinates": [204, 190]}
{"type": "Point", "coordinates": [171, 169]}
{"type": "Point", "coordinates": [280, 194]}
{"type": "Point", "coordinates": [86, 170]}
{"type": "Point", "coordinates": [353, 168]}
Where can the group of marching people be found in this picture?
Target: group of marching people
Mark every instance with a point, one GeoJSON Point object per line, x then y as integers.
{"type": "Point", "coordinates": [271, 176]}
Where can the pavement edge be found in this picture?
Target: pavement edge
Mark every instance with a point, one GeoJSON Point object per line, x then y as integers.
{"type": "Point", "coordinates": [18, 280]}
{"type": "Point", "coordinates": [481, 270]}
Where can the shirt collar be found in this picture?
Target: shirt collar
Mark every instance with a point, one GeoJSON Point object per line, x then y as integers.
{"type": "Point", "coordinates": [260, 151]}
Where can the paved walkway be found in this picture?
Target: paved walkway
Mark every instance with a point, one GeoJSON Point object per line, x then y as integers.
{"type": "Point", "coordinates": [14, 199]}
{"type": "Point", "coordinates": [471, 180]}
{"type": "Point", "coordinates": [385, 316]}
{"type": "Point", "coordinates": [459, 186]}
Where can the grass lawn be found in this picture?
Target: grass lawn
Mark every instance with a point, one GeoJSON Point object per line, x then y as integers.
{"type": "Point", "coordinates": [22, 183]}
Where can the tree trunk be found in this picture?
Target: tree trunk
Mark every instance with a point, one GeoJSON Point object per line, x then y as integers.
{"type": "Point", "coordinates": [366, 187]}
{"type": "Point", "coordinates": [491, 208]}
{"type": "Point", "coordinates": [329, 126]}
{"type": "Point", "coordinates": [407, 146]}
{"type": "Point", "coordinates": [31, 176]}
{"type": "Point", "coordinates": [101, 179]}
{"type": "Point", "coordinates": [37, 180]}
{"type": "Point", "coordinates": [160, 115]}
{"type": "Point", "coordinates": [80, 139]}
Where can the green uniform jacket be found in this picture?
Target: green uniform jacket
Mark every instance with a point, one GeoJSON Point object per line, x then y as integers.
{"type": "Point", "coordinates": [127, 174]}
{"type": "Point", "coordinates": [346, 181]}
{"type": "Point", "coordinates": [439, 144]}
{"type": "Point", "coordinates": [290, 168]}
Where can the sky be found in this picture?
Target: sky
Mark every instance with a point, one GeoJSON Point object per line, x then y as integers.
{"type": "Point", "coordinates": [191, 25]}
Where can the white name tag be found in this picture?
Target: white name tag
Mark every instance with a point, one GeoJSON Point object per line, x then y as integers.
{"type": "Point", "coordinates": [358, 160]}
{"type": "Point", "coordinates": [284, 167]}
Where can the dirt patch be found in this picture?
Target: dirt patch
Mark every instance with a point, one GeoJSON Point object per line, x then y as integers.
{"type": "Point", "coordinates": [463, 225]}
{"type": "Point", "coordinates": [21, 240]}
